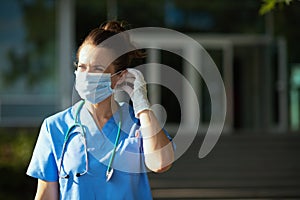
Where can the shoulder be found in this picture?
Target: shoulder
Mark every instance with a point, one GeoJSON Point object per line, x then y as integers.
{"type": "Point", "coordinates": [60, 116]}
{"type": "Point", "coordinates": [61, 119]}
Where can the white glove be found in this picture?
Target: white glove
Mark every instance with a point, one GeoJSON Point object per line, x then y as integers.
{"type": "Point", "coordinates": [136, 88]}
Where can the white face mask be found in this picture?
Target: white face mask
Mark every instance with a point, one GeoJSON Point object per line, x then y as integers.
{"type": "Point", "coordinates": [93, 87]}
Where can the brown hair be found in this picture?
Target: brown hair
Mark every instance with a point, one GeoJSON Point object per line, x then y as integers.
{"type": "Point", "coordinates": [107, 30]}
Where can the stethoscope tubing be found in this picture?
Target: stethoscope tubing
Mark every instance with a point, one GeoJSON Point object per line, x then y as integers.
{"type": "Point", "coordinates": [109, 170]}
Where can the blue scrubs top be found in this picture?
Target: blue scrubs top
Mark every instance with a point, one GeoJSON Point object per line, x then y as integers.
{"type": "Point", "coordinates": [129, 180]}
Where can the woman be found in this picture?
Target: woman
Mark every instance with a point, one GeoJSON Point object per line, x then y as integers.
{"type": "Point", "coordinates": [98, 148]}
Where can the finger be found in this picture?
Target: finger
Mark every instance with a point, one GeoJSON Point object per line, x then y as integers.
{"type": "Point", "coordinates": [138, 78]}
{"type": "Point", "coordinates": [128, 89]}
{"type": "Point", "coordinates": [130, 75]}
{"type": "Point", "coordinates": [126, 84]}
{"type": "Point", "coordinates": [136, 73]}
{"type": "Point", "coordinates": [130, 80]}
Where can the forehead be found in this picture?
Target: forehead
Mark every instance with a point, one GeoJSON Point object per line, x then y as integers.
{"type": "Point", "coordinates": [96, 55]}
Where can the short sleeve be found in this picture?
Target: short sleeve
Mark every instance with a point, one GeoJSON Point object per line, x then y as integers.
{"type": "Point", "coordinates": [43, 165]}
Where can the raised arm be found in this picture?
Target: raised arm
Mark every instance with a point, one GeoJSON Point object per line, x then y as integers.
{"type": "Point", "coordinates": [158, 149]}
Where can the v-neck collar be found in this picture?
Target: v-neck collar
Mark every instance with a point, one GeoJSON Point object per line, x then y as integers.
{"type": "Point", "coordinates": [108, 128]}
{"type": "Point", "coordinates": [100, 144]}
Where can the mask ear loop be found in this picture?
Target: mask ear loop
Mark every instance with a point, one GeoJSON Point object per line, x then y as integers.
{"type": "Point", "coordinates": [116, 73]}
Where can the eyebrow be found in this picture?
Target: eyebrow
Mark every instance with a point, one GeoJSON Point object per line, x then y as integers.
{"type": "Point", "coordinates": [92, 66]}
{"type": "Point", "coordinates": [96, 66]}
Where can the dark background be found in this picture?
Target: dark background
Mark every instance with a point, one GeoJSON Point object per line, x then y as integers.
{"type": "Point", "coordinates": [253, 160]}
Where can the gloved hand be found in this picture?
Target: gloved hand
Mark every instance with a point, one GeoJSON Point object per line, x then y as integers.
{"type": "Point", "coordinates": [135, 86]}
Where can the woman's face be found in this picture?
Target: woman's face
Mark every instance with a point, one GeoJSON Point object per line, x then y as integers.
{"type": "Point", "coordinates": [95, 59]}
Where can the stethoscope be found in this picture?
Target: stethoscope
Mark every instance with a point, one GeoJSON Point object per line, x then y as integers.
{"type": "Point", "coordinates": [109, 170]}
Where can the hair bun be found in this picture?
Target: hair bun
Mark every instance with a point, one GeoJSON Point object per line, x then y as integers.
{"type": "Point", "coordinates": [114, 26]}
{"type": "Point", "coordinates": [118, 29]}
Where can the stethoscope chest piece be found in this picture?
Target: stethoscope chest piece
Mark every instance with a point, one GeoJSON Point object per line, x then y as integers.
{"type": "Point", "coordinates": [109, 174]}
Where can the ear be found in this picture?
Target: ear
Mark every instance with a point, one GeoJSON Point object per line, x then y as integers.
{"type": "Point", "coordinates": [122, 76]}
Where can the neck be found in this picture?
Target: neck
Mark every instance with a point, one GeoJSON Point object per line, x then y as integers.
{"type": "Point", "coordinates": [102, 111]}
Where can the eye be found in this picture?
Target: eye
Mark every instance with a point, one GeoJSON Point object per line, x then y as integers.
{"type": "Point", "coordinates": [99, 68]}
{"type": "Point", "coordinates": [81, 67]}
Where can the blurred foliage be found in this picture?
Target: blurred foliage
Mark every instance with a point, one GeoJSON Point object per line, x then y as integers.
{"type": "Point", "coordinates": [36, 61]}
{"type": "Point", "coordinates": [269, 5]}
{"type": "Point", "coordinates": [16, 146]}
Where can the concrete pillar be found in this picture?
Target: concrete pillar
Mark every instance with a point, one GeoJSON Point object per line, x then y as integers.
{"type": "Point", "coordinates": [65, 34]}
